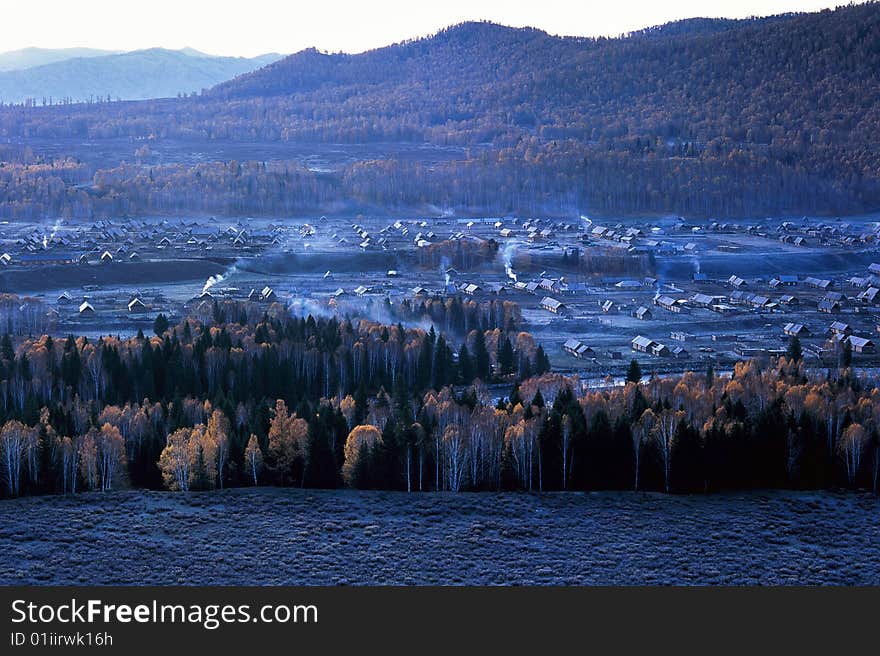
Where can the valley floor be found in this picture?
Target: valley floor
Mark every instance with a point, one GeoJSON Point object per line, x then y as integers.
{"type": "Point", "coordinates": [291, 537]}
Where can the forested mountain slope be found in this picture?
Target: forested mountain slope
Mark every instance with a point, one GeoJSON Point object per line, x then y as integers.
{"type": "Point", "coordinates": [700, 117]}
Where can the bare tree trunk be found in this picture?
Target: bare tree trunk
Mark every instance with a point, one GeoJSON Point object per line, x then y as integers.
{"type": "Point", "coordinates": [876, 467]}
{"type": "Point", "coordinates": [638, 456]}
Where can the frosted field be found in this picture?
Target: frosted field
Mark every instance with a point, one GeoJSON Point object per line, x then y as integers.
{"type": "Point", "coordinates": [284, 536]}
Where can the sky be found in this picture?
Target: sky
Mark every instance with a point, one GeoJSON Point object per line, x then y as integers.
{"type": "Point", "coordinates": [251, 27]}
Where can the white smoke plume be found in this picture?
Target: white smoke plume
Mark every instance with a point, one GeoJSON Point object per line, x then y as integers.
{"type": "Point", "coordinates": [303, 307]}
{"type": "Point", "coordinates": [52, 233]}
{"type": "Point", "coordinates": [507, 254]}
{"type": "Point", "coordinates": [220, 277]}
{"type": "Point", "coordinates": [444, 264]}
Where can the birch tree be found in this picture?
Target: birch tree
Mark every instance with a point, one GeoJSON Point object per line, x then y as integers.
{"type": "Point", "coordinates": [14, 439]}
{"type": "Point", "coordinates": [253, 457]}
{"type": "Point", "coordinates": [852, 446]}
{"type": "Point", "coordinates": [174, 461]}
{"type": "Point", "coordinates": [218, 433]}
{"type": "Point", "coordinates": [664, 431]}
{"type": "Point", "coordinates": [88, 459]}
{"type": "Point", "coordinates": [111, 456]}
{"type": "Point", "coordinates": [641, 430]}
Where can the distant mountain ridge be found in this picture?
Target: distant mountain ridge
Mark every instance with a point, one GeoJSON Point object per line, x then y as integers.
{"type": "Point", "coordinates": [473, 47]}
{"type": "Point", "coordinates": [136, 75]}
{"type": "Point", "coordinates": [17, 60]}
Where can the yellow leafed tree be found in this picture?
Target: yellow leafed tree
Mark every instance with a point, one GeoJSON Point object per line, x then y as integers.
{"type": "Point", "coordinates": [110, 449]}
{"type": "Point", "coordinates": [174, 460]}
{"type": "Point", "coordinates": [189, 459]}
{"type": "Point", "coordinates": [253, 457]}
{"type": "Point", "coordinates": [288, 443]}
{"type": "Point", "coordinates": [360, 438]}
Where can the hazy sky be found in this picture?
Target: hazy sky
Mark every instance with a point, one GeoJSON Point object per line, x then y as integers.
{"type": "Point", "coordinates": [250, 27]}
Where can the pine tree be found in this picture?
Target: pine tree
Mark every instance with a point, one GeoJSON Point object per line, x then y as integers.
{"type": "Point", "coordinates": [846, 355]}
{"type": "Point", "coordinates": [160, 325]}
{"type": "Point", "coordinates": [634, 373]}
{"type": "Point", "coordinates": [7, 350]}
{"type": "Point", "coordinates": [483, 367]}
{"type": "Point", "coordinates": [400, 398]}
{"type": "Point", "coordinates": [438, 366]}
{"type": "Point", "coordinates": [321, 470]}
{"type": "Point", "coordinates": [465, 365]}
{"type": "Point", "coordinates": [201, 480]}
{"type": "Point", "coordinates": [505, 356]}
{"type": "Point", "coordinates": [361, 406]}
{"type": "Point", "coordinates": [515, 396]}
{"type": "Point", "coordinates": [538, 400]}
{"type": "Point", "coordinates": [794, 351]}
{"type": "Point", "coordinates": [542, 362]}
{"type": "Point", "coordinates": [687, 460]}
{"type": "Point", "coordinates": [426, 359]}
{"type": "Point", "coordinates": [24, 367]}
{"type": "Point", "coordinates": [360, 478]}
{"type": "Point", "coordinates": [525, 367]}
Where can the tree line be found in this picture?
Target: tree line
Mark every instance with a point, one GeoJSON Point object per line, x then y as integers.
{"type": "Point", "coordinates": [58, 396]}
{"type": "Point", "coordinates": [568, 177]}
{"type": "Point", "coordinates": [759, 428]}
{"type": "Point", "coordinates": [71, 424]}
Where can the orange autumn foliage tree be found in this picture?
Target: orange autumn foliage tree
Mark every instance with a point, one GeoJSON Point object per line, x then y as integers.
{"type": "Point", "coordinates": [357, 445]}
{"type": "Point", "coordinates": [288, 444]}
